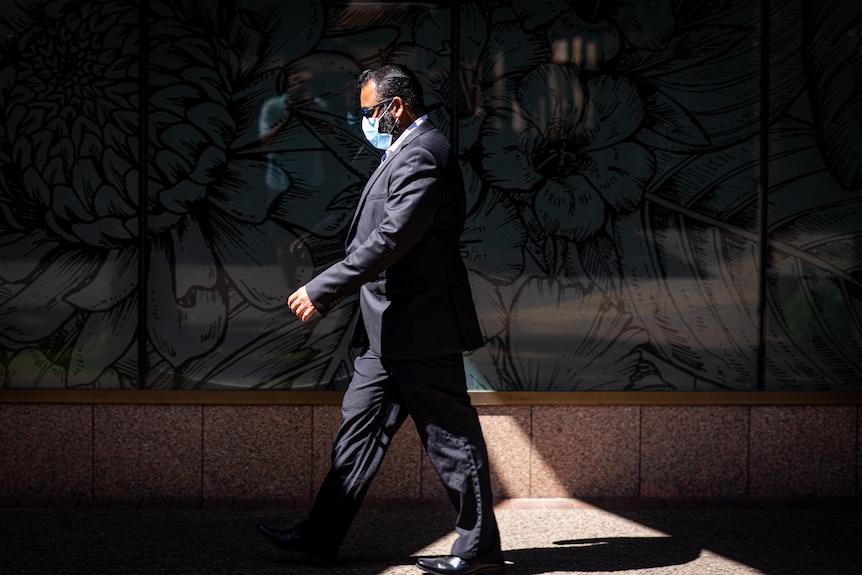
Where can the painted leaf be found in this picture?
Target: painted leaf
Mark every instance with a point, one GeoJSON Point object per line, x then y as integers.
{"type": "Point", "coordinates": [693, 285]}
{"type": "Point", "coordinates": [104, 338]}
{"type": "Point", "coordinates": [567, 338]}
{"type": "Point", "coordinates": [690, 261]}
{"type": "Point", "coordinates": [834, 74]}
{"type": "Point", "coordinates": [814, 292]}
{"type": "Point", "coordinates": [284, 354]}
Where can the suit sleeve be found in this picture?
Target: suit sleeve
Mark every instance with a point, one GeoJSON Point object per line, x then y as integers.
{"type": "Point", "coordinates": [415, 194]}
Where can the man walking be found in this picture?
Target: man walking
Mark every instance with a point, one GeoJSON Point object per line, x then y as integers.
{"type": "Point", "coordinates": [416, 318]}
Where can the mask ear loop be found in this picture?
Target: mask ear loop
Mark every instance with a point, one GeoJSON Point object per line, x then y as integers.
{"type": "Point", "coordinates": [383, 113]}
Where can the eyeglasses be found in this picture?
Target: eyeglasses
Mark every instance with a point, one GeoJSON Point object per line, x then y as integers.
{"type": "Point", "coordinates": [368, 112]}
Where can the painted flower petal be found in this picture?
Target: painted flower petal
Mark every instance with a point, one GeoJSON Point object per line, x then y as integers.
{"type": "Point", "coordinates": [171, 165]}
{"type": "Point", "coordinates": [510, 47]}
{"type": "Point", "coordinates": [331, 222]}
{"type": "Point", "coordinates": [68, 205]}
{"type": "Point", "coordinates": [31, 368]}
{"type": "Point", "coordinates": [290, 28]}
{"type": "Point", "coordinates": [508, 139]}
{"type": "Point", "coordinates": [469, 128]}
{"type": "Point", "coordinates": [553, 96]}
{"type": "Point", "coordinates": [245, 36]}
{"type": "Point", "coordinates": [321, 199]}
{"type": "Point", "coordinates": [158, 223]}
{"type": "Point", "coordinates": [646, 23]}
{"type": "Point", "coordinates": [572, 209]}
{"type": "Point", "coordinates": [493, 241]}
{"type": "Point", "coordinates": [613, 112]}
{"type": "Point", "coordinates": [214, 120]}
{"type": "Point", "coordinates": [534, 13]}
{"type": "Point", "coordinates": [185, 139]}
{"type": "Point", "coordinates": [54, 171]}
{"type": "Point", "coordinates": [256, 359]}
{"type": "Point", "coordinates": [39, 310]}
{"type": "Point", "coordinates": [8, 79]}
{"type": "Point", "coordinates": [123, 94]}
{"type": "Point", "coordinates": [16, 116]}
{"type": "Point", "coordinates": [21, 254]}
{"type": "Point", "coordinates": [179, 333]}
{"type": "Point", "coordinates": [621, 174]}
{"type": "Point", "coordinates": [16, 18]}
{"type": "Point", "coordinates": [109, 202]}
{"type": "Point", "coordinates": [104, 232]}
{"type": "Point", "coordinates": [490, 308]}
{"type": "Point", "coordinates": [160, 119]}
{"type": "Point", "coordinates": [116, 161]}
{"type": "Point", "coordinates": [115, 281]}
{"type": "Point", "coordinates": [180, 197]}
{"type": "Point", "coordinates": [252, 102]}
{"type": "Point", "coordinates": [173, 46]}
{"type": "Point", "coordinates": [473, 184]}
{"type": "Point", "coordinates": [103, 339]}
{"type": "Point", "coordinates": [42, 146]}
{"type": "Point", "coordinates": [247, 189]}
{"type": "Point", "coordinates": [195, 264]}
{"type": "Point", "coordinates": [210, 163]}
{"type": "Point", "coordinates": [250, 260]}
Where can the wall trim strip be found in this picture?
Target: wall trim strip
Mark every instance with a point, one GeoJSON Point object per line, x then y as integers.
{"type": "Point", "coordinates": [166, 397]}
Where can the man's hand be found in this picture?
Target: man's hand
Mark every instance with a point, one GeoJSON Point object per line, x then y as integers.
{"type": "Point", "coordinates": [300, 305]}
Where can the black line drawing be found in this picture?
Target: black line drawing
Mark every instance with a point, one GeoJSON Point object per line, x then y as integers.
{"type": "Point", "coordinates": [614, 154]}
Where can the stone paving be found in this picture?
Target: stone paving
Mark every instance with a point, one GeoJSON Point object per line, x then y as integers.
{"type": "Point", "coordinates": [540, 536]}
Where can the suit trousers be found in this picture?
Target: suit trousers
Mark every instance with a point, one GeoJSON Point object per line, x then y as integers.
{"type": "Point", "coordinates": [382, 393]}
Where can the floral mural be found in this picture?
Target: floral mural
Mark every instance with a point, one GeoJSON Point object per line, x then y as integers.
{"type": "Point", "coordinates": [663, 194]}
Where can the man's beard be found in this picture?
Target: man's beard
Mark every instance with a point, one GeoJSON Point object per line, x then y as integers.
{"type": "Point", "coordinates": [389, 125]}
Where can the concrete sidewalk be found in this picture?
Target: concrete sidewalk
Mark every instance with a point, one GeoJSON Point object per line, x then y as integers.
{"type": "Point", "coordinates": [805, 537]}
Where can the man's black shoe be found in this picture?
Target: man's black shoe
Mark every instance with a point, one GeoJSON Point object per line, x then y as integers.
{"type": "Point", "coordinates": [454, 565]}
{"type": "Point", "coordinates": [290, 540]}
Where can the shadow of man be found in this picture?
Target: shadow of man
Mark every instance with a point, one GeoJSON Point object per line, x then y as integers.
{"type": "Point", "coordinates": [602, 554]}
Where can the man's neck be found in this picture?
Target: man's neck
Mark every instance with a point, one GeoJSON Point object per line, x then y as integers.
{"type": "Point", "coordinates": [409, 117]}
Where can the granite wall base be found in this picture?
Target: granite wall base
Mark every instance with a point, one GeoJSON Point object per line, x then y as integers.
{"type": "Point", "coordinates": [250, 451]}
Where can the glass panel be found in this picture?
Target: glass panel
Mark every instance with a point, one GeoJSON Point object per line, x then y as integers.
{"type": "Point", "coordinates": [68, 195]}
{"type": "Point", "coordinates": [814, 286]}
{"type": "Point", "coordinates": [613, 152]}
{"type": "Point", "coordinates": [256, 163]}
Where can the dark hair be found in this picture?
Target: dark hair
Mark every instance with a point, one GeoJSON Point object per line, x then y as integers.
{"type": "Point", "coordinates": [396, 80]}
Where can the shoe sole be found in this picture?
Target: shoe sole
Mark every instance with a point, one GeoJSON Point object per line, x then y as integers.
{"type": "Point", "coordinates": [491, 570]}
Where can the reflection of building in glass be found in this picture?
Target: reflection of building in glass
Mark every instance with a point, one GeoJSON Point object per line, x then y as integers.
{"type": "Point", "coordinates": [272, 115]}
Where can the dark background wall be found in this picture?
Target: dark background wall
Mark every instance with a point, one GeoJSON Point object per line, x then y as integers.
{"type": "Point", "coordinates": [663, 195]}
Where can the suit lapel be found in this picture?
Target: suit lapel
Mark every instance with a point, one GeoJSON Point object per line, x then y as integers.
{"type": "Point", "coordinates": [382, 167]}
{"type": "Point", "coordinates": [362, 198]}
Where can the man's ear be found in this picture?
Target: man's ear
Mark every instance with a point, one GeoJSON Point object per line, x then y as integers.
{"type": "Point", "coordinates": [397, 109]}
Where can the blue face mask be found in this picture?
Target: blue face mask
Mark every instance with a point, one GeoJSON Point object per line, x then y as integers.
{"type": "Point", "coordinates": [374, 137]}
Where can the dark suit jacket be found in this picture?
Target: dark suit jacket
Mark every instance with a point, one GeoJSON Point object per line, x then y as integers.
{"type": "Point", "coordinates": [403, 255]}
